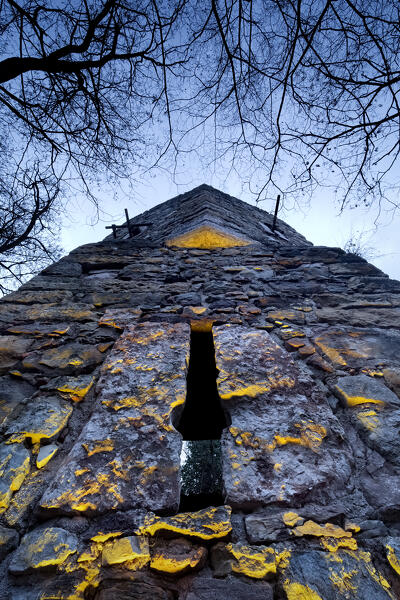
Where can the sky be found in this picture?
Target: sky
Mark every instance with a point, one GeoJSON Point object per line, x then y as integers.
{"type": "Point", "coordinates": [321, 222]}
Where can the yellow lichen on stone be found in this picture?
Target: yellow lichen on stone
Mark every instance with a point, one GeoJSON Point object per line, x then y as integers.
{"type": "Point", "coordinates": [253, 562]}
{"type": "Point", "coordinates": [207, 237]}
{"type": "Point", "coordinates": [14, 467]}
{"type": "Point", "coordinates": [126, 549]}
{"type": "Point", "coordinates": [46, 453]}
{"type": "Point", "coordinates": [201, 325]}
{"type": "Point", "coordinates": [78, 392]}
{"type": "Point", "coordinates": [369, 419]}
{"type": "Point", "coordinates": [291, 518]}
{"type": "Point", "coordinates": [393, 558]}
{"type": "Point", "coordinates": [94, 447]}
{"type": "Point", "coordinates": [342, 581]}
{"type": "Point", "coordinates": [104, 537]}
{"type": "Point", "coordinates": [298, 591]}
{"type": "Point", "coordinates": [334, 544]}
{"type": "Point", "coordinates": [327, 530]}
{"type": "Point", "coordinates": [207, 524]}
{"type": "Point", "coordinates": [176, 564]}
{"type": "Point", "coordinates": [198, 310]}
{"type": "Point", "coordinates": [356, 400]}
{"type": "Point", "coordinates": [330, 352]}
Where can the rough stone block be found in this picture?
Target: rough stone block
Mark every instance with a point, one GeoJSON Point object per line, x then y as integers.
{"type": "Point", "coordinates": [44, 548]}
{"type": "Point", "coordinates": [128, 453]}
{"type": "Point", "coordinates": [126, 549]}
{"type": "Point", "coordinates": [14, 467]}
{"type": "Point", "coordinates": [43, 419]}
{"type": "Point", "coordinates": [208, 524]}
{"type": "Point", "coordinates": [177, 556]}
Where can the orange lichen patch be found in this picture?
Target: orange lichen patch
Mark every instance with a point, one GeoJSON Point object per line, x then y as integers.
{"type": "Point", "coordinates": [46, 453]}
{"type": "Point", "coordinates": [202, 325]}
{"type": "Point", "coordinates": [372, 373]}
{"type": "Point", "coordinates": [96, 446]}
{"type": "Point", "coordinates": [130, 402]}
{"type": "Point", "coordinates": [81, 471]}
{"type": "Point", "coordinates": [207, 524]}
{"type": "Point", "coordinates": [14, 467]}
{"type": "Point", "coordinates": [164, 563]}
{"type": "Point", "coordinates": [91, 554]}
{"type": "Point", "coordinates": [393, 558]}
{"type": "Point", "coordinates": [333, 544]}
{"type": "Point", "coordinates": [369, 419]}
{"type": "Point", "coordinates": [311, 436]}
{"type": "Point", "coordinates": [298, 591]}
{"type": "Point", "coordinates": [282, 315]}
{"type": "Point", "coordinates": [207, 237]}
{"type": "Point", "coordinates": [356, 400]}
{"type": "Point", "coordinates": [104, 537]}
{"type": "Point", "coordinates": [294, 344]}
{"type": "Point", "coordinates": [76, 498]}
{"type": "Point", "coordinates": [327, 530]}
{"type": "Point", "coordinates": [333, 354]}
{"type": "Point", "coordinates": [256, 389]}
{"type": "Point", "coordinates": [198, 310]}
{"type": "Point", "coordinates": [291, 518]}
{"type": "Point", "coordinates": [54, 422]}
{"type": "Point", "coordinates": [342, 581]}
{"type": "Point", "coordinates": [90, 570]}
{"type": "Point", "coordinates": [78, 391]}
{"type": "Point", "coordinates": [126, 549]}
{"type": "Point", "coordinates": [255, 562]}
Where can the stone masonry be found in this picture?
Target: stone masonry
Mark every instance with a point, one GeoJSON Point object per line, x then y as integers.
{"type": "Point", "coordinates": [94, 357]}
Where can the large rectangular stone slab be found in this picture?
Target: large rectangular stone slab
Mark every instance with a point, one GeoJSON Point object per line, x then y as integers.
{"type": "Point", "coordinates": [284, 443]}
{"type": "Point", "coordinates": [128, 454]}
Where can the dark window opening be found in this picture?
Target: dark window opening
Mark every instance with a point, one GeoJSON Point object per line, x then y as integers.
{"type": "Point", "coordinates": [201, 424]}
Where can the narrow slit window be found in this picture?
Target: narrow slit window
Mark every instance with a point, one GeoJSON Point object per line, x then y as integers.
{"type": "Point", "coordinates": [201, 424]}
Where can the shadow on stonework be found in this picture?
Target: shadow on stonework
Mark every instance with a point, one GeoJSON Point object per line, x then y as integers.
{"type": "Point", "coordinates": [201, 424]}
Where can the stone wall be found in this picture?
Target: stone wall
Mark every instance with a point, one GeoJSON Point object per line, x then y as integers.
{"type": "Point", "coordinates": [93, 362]}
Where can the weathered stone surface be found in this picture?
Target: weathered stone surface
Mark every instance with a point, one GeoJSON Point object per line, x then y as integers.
{"type": "Point", "coordinates": [375, 411]}
{"type": "Point", "coordinates": [284, 443]}
{"type": "Point", "coordinates": [12, 349]}
{"type": "Point", "coordinates": [208, 524]}
{"type": "Point", "coordinates": [42, 420]}
{"type": "Point", "coordinates": [69, 358]}
{"type": "Point", "coordinates": [214, 589]}
{"type": "Point", "coordinates": [392, 545]}
{"type": "Point", "coordinates": [14, 467]}
{"type": "Point", "coordinates": [65, 268]}
{"type": "Point", "coordinates": [383, 493]}
{"type": "Point", "coordinates": [12, 393]}
{"type": "Point", "coordinates": [177, 556]}
{"type": "Point", "coordinates": [360, 389]}
{"type": "Point", "coordinates": [359, 347]}
{"type": "Point", "coordinates": [334, 576]}
{"type": "Point", "coordinates": [73, 388]}
{"type": "Point", "coordinates": [255, 562]}
{"type": "Point", "coordinates": [128, 452]}
{"type": "Point", "coordinates": [45, 454]}
{"type": "Point", "coordinates": [44, 548]}
{"type": "Point", "coordinates": [303, 471]}
{"type": "Point", "coordinates": [8, 541]}
{"type": "Point", "coordinates": [131, 590]}
{"type": "Point", "coordinates": [126, 549]}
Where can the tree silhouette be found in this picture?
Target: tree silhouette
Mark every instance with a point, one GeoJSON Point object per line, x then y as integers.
{"type": "Point", "coordinates": [290, 93]}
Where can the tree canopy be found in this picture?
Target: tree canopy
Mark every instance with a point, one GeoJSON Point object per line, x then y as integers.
{"type": "Point", "coordinates": [292, 94]}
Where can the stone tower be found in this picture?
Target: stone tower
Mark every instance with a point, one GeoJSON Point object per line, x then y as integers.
{"type": "Point", "coordinates": [277, 362]}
